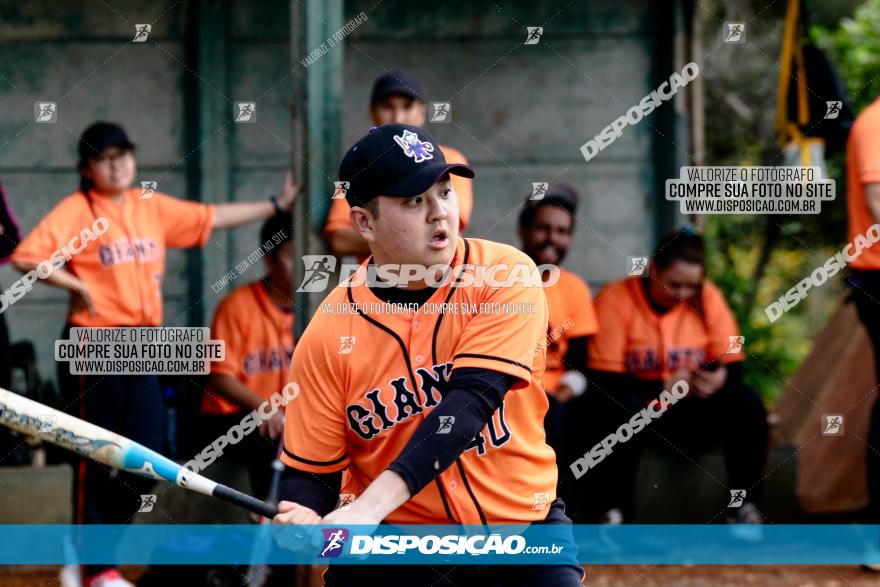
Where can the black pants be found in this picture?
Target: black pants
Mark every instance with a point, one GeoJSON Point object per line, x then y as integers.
{"type": "Point", "coordinates": [734, 418]}
{"type": "Point", "coordinates": [464, 575]}
{"type": "Point", "coordinates": [132, 406]}
{"type": "Point", "coordinates": [254, 452]}
{"type": "Point", "coordinates": [866, 295]}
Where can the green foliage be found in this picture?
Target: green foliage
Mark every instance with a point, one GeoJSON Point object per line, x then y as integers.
{"type": "Point", "coordinates": [740, 110]}
{"type": "Point", "coordinates": [855, 50]}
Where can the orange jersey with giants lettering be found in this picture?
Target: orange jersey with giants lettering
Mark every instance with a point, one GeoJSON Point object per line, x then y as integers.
{"type": "Point", "coordinates": [338, 218]}
{"type": "Point", "coordinates": [259, 344]}
{"type": "Point", "coordinates": [368, 378]}
{"type": "Point", "coordinates": [633, 338]}
{"type": "Point", "coordinates": [123, 269]}
{"type": "Point", "coordinates": [571, 315]}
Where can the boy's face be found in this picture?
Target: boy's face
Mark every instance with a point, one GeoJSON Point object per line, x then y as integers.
{"type": "Point", "coordinates": [677, 283]}
{"type": "Point", "coordinates": [420, 230]}
{"type": "Point", "coordinates": [113, 171]}
{"type": "Point", "coordinates": [398, 109]}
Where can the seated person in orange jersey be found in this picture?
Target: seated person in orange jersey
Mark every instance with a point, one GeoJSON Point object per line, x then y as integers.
{"type": "Point", "coordinates": [396, 98]}
{"type": "Point", "coordinates": [546, 227]}
{"type": "Point", "coordinates": [256, 322]}
{"type": "Point", "coordinates": [654, 331]}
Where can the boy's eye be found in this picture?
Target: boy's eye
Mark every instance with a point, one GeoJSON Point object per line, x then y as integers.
{"type": "Point", "coordinates": [414, 201]}
{"type": "Point", "coordinates": [445, 194]}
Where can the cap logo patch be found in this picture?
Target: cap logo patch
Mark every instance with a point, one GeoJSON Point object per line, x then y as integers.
{"type": "Point", "coordinates": [414, 147]}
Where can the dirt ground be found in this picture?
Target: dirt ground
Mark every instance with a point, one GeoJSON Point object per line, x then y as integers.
{"type": "Point", "coordinates": [617, 576]}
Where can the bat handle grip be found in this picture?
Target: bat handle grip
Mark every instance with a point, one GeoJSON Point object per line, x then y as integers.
{"type": "Point", "coordinates": [238, 498]}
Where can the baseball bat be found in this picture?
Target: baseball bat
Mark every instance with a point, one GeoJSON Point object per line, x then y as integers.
{"type": "Point", "coordinates": [114, 450]}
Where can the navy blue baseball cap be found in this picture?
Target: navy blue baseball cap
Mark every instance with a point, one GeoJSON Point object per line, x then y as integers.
{"type": "Point", "coordinates": [98, 137]}
{"type": "Point", "coordinates": [396, 83]}
{"type": "Point", "coordinates": [397, 160]}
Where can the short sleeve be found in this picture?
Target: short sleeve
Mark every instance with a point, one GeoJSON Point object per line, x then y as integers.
{"type": "Point", "coordinates": [507, 333]}
{"type": "Point", "coordinates": [315, 433]}
{"type": "Point", "coordinates": [866, 151]}
{"type": "Point", "coordinates": [463, 186]}
{"type": "Point", "coordinates": [225, 328]}
{"type": "Point", "coordinates": [720, 325]}
{"type": "Point", "coordinates": [57, 227]}
{"type": "Point", "coordinates": [337, 217]}
{"type": "Point", "coordinates": [607, 348]}
{"type": "Point", "coordinates": [582, 313]}
{"type": "Point", "coordinates": [187, 224]}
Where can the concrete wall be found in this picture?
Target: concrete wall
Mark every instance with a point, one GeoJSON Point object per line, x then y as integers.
{"type": "Point", "coordinates": [520, 114]}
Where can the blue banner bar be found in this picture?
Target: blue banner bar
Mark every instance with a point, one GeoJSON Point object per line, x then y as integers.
{"type": "Point", "coordinates": [456, 545]}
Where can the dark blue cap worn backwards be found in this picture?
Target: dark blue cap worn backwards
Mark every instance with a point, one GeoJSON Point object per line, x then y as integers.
{"type": "Point", "coordinates": [397, 160]}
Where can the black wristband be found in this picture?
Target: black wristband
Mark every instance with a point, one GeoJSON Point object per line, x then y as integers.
{"type": "Point", "coordinates": [274, 200]}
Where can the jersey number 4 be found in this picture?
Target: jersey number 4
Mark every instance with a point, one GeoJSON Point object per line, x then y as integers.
{"type": "Point", "coordinates": [497, 439]}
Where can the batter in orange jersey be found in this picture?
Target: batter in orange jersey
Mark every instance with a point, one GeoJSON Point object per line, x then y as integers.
{"type": "Point", "coordinates": [428, 392]}
{"type": "Point", "coordinates": [395, 98]}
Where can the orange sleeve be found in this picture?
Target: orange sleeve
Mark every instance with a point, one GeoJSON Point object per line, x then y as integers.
{"type": "Point", "coordinates": [337, 217]}
{"type": "Point", "coordinates": [721, 325]}
{"type": "Point", "coordinates": [224, 327]}
{"type": "Point", "coordinates": [506, 341]}
{"type": "Point", "coordinates": [866, 150]}
{"type": "Point", "coordinates": [608, 347]}
{"type": "Point", "coordinates": [583, 313]}
{"type": "Point", "coordinates": [187, 224]}
{"type": "Point", "coordinates": [464, 187]}
{"type": "Point", "coordinates": [315, 438]}
{"type": "Point", "coordinates": [56, 228]}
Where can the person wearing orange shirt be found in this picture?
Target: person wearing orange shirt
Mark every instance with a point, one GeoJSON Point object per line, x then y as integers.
{"type": "Point", "coordinates": [115, 280]}
{"type": "Point", "coordinates": [256, 322]}
{"type": "Point", "coordinates": [670, 326]}
{"type": "Point", "coordinates": [545, 229]}
{"type": "Point", "coordinates": [428, 392]}
{"type": "Point", "coordinates": [863, 205]}
{"type": "Point", "coordinates": [395, 98]}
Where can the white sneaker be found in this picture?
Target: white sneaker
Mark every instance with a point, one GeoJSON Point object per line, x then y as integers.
{"type": "Point", "coordinates": [613, 516]}
{"type": "Point", "coordinates": [108, 578]}
{"type": "Point", "coordinates": [70, 576]}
